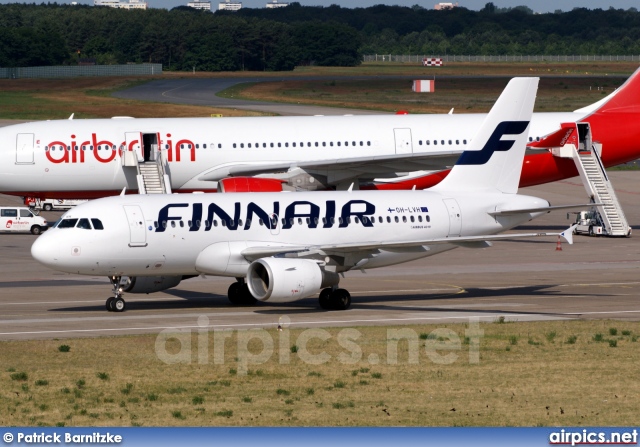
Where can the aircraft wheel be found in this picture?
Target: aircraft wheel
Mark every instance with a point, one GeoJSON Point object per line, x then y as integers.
{"type": "Point", "coordinates": [325, 299]}
{"type": "Point", "coordinates": [239, 295]}
{"type": "Point", "coordinates": [118, 305]}
{"type": "Point", "coordinates": [340, 299]}
{"type": "Point", "coordinates": [109, 303]}
{"type": "Point", "coordinates": [234, 293]}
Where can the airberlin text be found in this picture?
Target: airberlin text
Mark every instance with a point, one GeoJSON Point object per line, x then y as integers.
{"type": "Point", "coordinates": [79, 150]}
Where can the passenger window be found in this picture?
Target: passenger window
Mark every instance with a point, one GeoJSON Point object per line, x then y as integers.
{"type": "Point", "coordinates": [294, 144]}
{"type": "Point", "coordinates": [404, 219]}
{"type": "Point", "coordinates": [181, 224]}
{"type": "Point", "coordinates": [219, 145]}
{"type": "Point", "coordinates": [368, 143]}
{"type": "Point", "coordinates": [299, 221]}
{"type": "Point", "coordinates": [464, 141]}
{"type": "Point", "coordinates": [242, 145]}
{"type": "Point", "coordinates": [413, 219]}
{"type": "Point", "coordinates": [457, 141]}
{"type": "Point", "coordinates": [397, 219]}
{"type": "Point", "coordinates": [428, 142]}
{"type": "Point", "coordinates": [223, 222]}
{"type": "Point", "coordinates": [84, 224]}
{"type": "Point", "coordinates": [420, 142]}
{"type": "Point", "coordinates": [435, 142]}
{"type": "Point", "coordinates": [380, 219]}
{"type": "Point", "coordinates": [67, 223]}
{"type": "Point", "coordinates": [356, 219]}
{"type": "Point", "coordinates": [249, 145]}
{"type": "Point", "coordinates": [388, 219]}
{"type": "Point", "coordinates": [173, 224]}
{"type": "Point", "coordinates": [155, 223]}
{"type": "Point", "coordinates": [419, 218]}
{"type": "Point", "coordinates": [428, 219]}
{"type": "Point", "coordinates": [234, 145]}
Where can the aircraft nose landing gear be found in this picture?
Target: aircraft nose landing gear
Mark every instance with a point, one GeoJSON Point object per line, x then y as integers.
{"type": "Point", "coordinates": [115, 303]}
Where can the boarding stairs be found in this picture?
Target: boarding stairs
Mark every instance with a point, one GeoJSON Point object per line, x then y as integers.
{"type": "Point", "coordinates": [596, 181]}
{"type": "Point", "coordinates": [151, 175]}
{"type": "Point", "coordinates": [150, 178]}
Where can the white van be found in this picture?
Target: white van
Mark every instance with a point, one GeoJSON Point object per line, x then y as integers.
{"type": "Point", "coordinates": [52, 204]}
{"type": "Point", "coordinates": [20, 219]}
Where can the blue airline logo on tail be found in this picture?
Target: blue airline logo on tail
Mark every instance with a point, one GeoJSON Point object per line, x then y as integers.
{"type": "Point", "coordinates": [495, 143]}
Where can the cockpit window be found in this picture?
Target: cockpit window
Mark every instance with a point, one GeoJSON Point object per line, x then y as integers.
{"type": "Point", "coordinates": [84, 224]}
{"type": "Point", "coordinates": [97, 224]}
{"type": "Point", "coordinates": [67, 223]}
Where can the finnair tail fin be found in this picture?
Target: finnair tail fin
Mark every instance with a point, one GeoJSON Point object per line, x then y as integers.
{"type": "Point", "coordinates": [495, 155]}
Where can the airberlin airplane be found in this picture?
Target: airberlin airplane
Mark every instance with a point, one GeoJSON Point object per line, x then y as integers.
{"type": "Point", "coordinates": [86, 158]}
{"type": "Point", "coordinates": [282, 247]}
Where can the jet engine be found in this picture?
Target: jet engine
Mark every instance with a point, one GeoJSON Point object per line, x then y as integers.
{"type": "Point", "coordinates": [281, 280]}
{"type": "Point", "coordinates": [150, 284]}
{"type": "Point", "coordinates": [250, 184]}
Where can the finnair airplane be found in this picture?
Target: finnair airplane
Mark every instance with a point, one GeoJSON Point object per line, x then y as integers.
{"type": "Point", "coordinates": [85, 159]}
{"type": "Point", "coordinates": [282, 247]}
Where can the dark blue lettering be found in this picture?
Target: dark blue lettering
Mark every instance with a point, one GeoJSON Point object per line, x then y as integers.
{"type": "Point", "coordinates": [252, 209]}
{"type": "Point", "coordinates": [330, 214]}
{"type": "Point", "coordinates": [370, 210]}
{"type": "Point", "coordinates": [163, 215]}
{"type": "Point", "coordinates": [196, 217]}
{"type": "Point", "coordinates": [290, 213]}
{"type": "Point", "coordinates": [230, 223]}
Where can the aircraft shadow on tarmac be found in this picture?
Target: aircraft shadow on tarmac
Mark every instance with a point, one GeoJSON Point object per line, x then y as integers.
{"type": "Point", "coordinates": [410, 303]}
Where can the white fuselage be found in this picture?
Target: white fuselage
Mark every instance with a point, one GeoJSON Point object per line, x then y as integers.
{"type": "Point", "coordinates": [52, 157]}
{"type": "Point", "coordinates": [166, 234]}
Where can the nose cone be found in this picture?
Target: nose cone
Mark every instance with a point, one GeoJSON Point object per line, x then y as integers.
{"type": "Point", "coordinates": [45, 250]}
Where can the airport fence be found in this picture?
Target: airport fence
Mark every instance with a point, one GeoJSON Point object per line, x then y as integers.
{"type": "Point", "coordinates": [73, 71]}
{"type": "Point", "coordinates": [506, 58]}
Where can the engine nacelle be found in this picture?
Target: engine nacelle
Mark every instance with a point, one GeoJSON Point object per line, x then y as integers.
{"type": "Point", "coordinates": [150, 284]}
{"type": "Point", "coordinates": [282, 280]}
{"type": "Point", "coordinates": [250, 184]}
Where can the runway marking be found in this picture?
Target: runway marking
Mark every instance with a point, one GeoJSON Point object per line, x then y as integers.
{"type": "Point", "coordinates": [379, 320]}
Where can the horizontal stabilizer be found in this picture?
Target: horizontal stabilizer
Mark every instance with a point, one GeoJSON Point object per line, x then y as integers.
{"type": "Point", "coordinates": [543, 209]}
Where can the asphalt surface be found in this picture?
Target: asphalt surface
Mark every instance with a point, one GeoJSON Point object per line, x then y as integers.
{"type": "Point", "coordinates": [596, 278]}
{"type": "Point", "coordinates": [203, 92]}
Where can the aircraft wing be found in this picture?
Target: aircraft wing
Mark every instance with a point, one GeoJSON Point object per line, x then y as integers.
{"type": "Point", "coordinates": [367, 167]}
{"type": "Point", "coordinates": [318, 251]}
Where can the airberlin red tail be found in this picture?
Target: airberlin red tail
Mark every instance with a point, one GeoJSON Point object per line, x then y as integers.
{"type": "Point", "coordinates": [614, 122]}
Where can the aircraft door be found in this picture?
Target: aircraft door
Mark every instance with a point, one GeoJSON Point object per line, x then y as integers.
{"type": "Point", "coordinates": [403, 141]}
{"type": "Point", "coordinates": [133, 142]}
{"type": "Point", "coordinates": [24, 148]}
{"type": "Point", "coordinates": [137, 232]}
{"type": "Point", "coordinates": [455, 219]}
{"type": "Point", "coordinates": [150, 146]}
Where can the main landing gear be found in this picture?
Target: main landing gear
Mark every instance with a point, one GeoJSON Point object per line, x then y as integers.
{"type": "Point", "coordinates": [115, 303]}
{"type": "Point", "coordinates": [239, 294]}
{"type": "Point", "coordinates": [334, 299]}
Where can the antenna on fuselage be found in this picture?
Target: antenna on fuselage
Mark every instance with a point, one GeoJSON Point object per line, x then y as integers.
{"type": "Point", "coordinates": [71, 117]}
{"type": "Point", "coordinates": [123, 191]}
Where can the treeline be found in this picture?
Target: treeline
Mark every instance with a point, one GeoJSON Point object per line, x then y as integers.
{"type": "Point", "coordinates": [180, 39]}
{"type": "Point", "coordinates": [280, 39]}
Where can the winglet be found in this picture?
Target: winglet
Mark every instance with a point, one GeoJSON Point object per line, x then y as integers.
{"type": "Point", "coordinates": [568, 234]}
